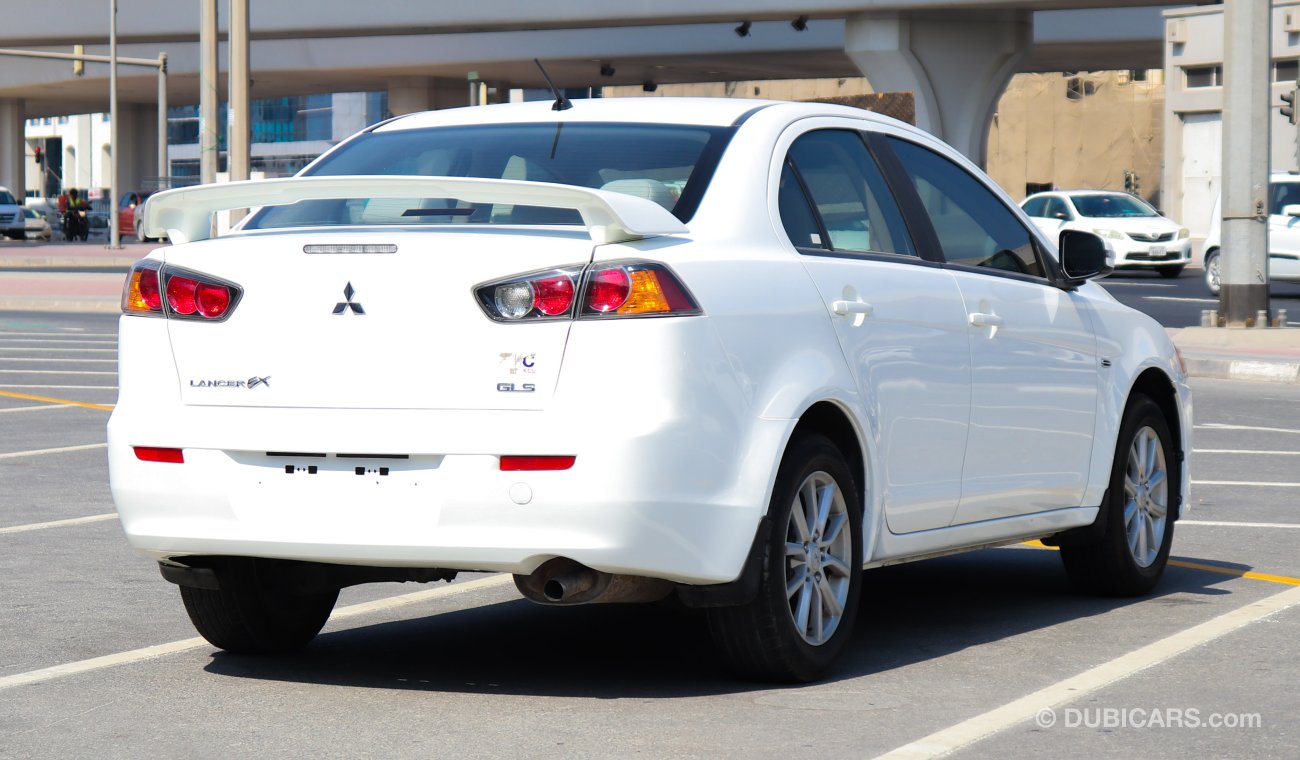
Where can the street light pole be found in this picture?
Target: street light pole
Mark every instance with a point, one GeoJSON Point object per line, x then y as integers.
{"type": "Point", "coordinates": [164, 171]}
{"type": "Point", "coordinates": [208, 75]}
{"type": "Point", "coordinates": [114, 234]}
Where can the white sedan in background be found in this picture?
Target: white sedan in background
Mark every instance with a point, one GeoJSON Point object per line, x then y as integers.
{"type": "Point", "coordinates": [1139, 235]}
{"type": "Point", "coordinates": [734, 351]}
{"type": "Point", "coordinates": [38, 227]}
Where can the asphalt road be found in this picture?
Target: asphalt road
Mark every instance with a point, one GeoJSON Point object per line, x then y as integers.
{"type": "Point", "coordinates": [97, 658]}
{"type": "Point", "coordinates": [1178, 302]}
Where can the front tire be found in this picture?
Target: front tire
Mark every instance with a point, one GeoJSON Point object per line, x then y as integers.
{"type": "Point", "coordinates": [811, 579]}
{"type": "Point", "coordinates": [1212, 271]}
{"type": "Point", "coordinates": [1130, 556]}
{"type": "Point", "coordinates": [249, 615]}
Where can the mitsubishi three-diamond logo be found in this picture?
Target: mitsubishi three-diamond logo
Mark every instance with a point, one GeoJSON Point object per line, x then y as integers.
{"type": "Point", "coordinates": [342, 306]}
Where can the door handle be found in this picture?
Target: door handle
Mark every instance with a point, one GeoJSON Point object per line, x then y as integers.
{"type": "Point", "coordinates": [845, 308]}
{"type": "Point", "coordinates": [979, 319]}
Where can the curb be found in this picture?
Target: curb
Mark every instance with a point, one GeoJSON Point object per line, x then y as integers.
{"type": "Point", "coordinates": [1249, 370]}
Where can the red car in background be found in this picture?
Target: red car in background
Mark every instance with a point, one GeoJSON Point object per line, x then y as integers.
{"type": "Point", "coordinates": [128, 223]}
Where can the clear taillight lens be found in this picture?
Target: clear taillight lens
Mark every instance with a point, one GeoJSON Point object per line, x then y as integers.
{"type": "Point", "coordinates": [152, 289]}
{"type": "Point", "coordinates": [530, 297]}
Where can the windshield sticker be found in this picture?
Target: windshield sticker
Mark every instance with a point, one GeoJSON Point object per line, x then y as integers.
{"type": "Point", "coordinates": [519, 363]}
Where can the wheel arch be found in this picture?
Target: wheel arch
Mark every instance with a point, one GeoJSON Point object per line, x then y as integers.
{"type": "Point", "coordinates": [1157, 386]}
{"type": "Point", "coordinates": [835, 422]}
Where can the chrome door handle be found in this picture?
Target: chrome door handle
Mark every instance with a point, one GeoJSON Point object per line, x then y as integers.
{"type": "Point", "coordinates": [979, 319]}
{"type": "Point", "coordinates": [845, 308]}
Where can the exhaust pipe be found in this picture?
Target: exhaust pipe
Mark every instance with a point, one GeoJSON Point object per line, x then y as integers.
{"type": "Point", "coordinates": [562, 581]}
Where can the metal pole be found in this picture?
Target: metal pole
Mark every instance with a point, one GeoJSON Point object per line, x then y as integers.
{"type": "Point", "coordinates": [208, 75]}
{"type": "Point", "coordinates": [164, 170]}
{"type": "Point", "coordinates": [238, 130]}
{"type": "Point", "coordinates": [1246, 102]}
{"type": "Point", "coordinates": [114, 234]}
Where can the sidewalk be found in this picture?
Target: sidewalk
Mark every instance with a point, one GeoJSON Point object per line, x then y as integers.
{"type": "Point", "coordinates": [87, 277]}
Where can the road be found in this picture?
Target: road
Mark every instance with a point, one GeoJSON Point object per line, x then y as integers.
{"type": "Point", "coordinates": [1179, 302]}
{"type": "Point", "coordinates": [97, 658]}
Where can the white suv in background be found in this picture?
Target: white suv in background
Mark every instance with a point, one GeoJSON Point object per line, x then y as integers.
{"type": "Point", "coordinates": [1139, 235]}
{"type": "Point", "coordinates": [1283, 233]}
{"type": "Point", "coordinates": [12, 222]}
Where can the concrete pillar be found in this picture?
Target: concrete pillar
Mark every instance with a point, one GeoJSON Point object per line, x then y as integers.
{"type": "Point", "coordinates": [137, 147]}
{"type": "Point", "coordinates": [13, 120]}
{"type": "Point", "coordinates": [956, 64]}
{"type": "Point", "coordinates": [415, 94]}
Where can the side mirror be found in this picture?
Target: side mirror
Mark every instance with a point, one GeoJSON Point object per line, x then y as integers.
{"type": "Point", "coordinates": [1291, 209]}
{"type": "Point", "coordinates": [1084, 256]}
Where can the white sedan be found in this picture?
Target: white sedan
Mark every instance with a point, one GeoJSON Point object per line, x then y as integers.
{"type": "Point", "coordinates": [38, 227]}
{"type": "Point", "coordinates": [1139, 235]}
{"type": "Point", "coordinates": [733, 351]}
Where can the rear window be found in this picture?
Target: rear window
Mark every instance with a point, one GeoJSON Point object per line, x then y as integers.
{"type": "Point", "coordinates": [668, 164]}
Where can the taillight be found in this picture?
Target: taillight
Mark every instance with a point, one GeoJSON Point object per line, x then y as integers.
{"type": "Point", "coordinates": [154, 289]}
{"type": "Point", "coordinates": [159, 454]}
{"type": "Point", "coordinates": [536, 463]}
{"type": "Point", "coordinates": [626, 289]}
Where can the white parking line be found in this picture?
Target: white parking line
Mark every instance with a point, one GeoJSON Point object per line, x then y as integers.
{"type": "Point", "coordinates": [58, 523]}
{"type": "Point", "coordinates": [58, 341]}
{"type": "Point", "coordinates": [1109, 284]}
{"type": "Point", "coordinates": [1001, 718]}
{"type": "Point", "coordinates": [48, 360]}
{"type": "Point", "coordinates": [1247, 451]}
{"type": "Point", "coordinates": [42, 352]}
{"type": "Point", "coordinates": [1220, 426]}
{"type": "Point", "coordinates": [39, 452]}
{"type": "Point", "coordinates": [1181, 300]}
{"type": "Point", "coordinates": [36, 408]}
{"type": "Point", "coordinates": [57, 336]}
{"type": "Point", "coordinates": [68, 387]}
{"type": "Point", "coordinates": [149, 653]}
{"type": "Point", "coordinates": [1221, 524]}
{"type": "Point", "coordinates": [54, 372]}
{"type": "Point", "coordinates": [1261, 483]}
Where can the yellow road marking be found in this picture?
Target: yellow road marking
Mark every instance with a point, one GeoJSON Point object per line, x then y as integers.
{"type": "Point", "coordinates": [1221, 570]}
{"type": "Point", "coordinates": [29, 397]}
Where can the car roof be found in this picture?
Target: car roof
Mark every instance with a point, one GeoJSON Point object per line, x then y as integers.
{"type": "Point", "coordinates": [719, 112]}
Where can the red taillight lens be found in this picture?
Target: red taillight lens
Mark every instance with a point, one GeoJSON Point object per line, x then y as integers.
{"type": "Point", "coordinates": [553, 295]}
{"type": "Point", "coordinates": [608, 289]}
{"type": "Point", "coordinates": [157, 454]}
{"type": "Point", "coordinates": [180, 294]}
{"type": "Point", "coordinates": [211, 300]}
{"type": "Point", "coordinates": [150, 293]}
{"type": "Point", "coordinates": [535, 463]}
{"type": "Point", "coordinates": [141, 293]}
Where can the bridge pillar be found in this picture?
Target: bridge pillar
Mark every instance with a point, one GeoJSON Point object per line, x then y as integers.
{"type": "Point", "coordinates": [956, 64]}
{"type": "Point", "coordinates": [415, 94]}
{"type": "Point", "coordinates": [13, 153]}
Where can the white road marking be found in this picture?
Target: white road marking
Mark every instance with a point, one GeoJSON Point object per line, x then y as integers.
{"type": "Point", "coordinates": [1247, 451]}
{"type": "Point", "coordinates": [1244, 483]}
{"type": "Point", "coordinates": [57, 336]}
{"type": "Point", "coordinates": [39, 452]}
{"type": "Point", "coordinates": [160, 650]}
{"type": "Point", "coordinates": [48, 360]}
{"type": "Point", "coordinates": [1220, 426]}
{"type": "Point", "coordinates": [58, 523]}
{"type": "Point", "coordinates": [57, 341]}
{"type": "Point", "coordinates": [1180, 299]}
{"type": "Point", "coordinates": [1138, 285]}
{"type": "Point", "coordinates": [68, 387]}
{"type": "Point", "coordinates": [1028, 707]}
{"type": "Point", "coordinates": [1221, 524]}
{"type": "Point", "coordinates": [44, 351]}
{"type": "Point", "coordinates": [37, 408]}
{"type": "Point", "coordinates": [54, 372]}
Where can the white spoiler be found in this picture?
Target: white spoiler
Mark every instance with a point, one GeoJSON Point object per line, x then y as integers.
{"type": "Point", "coordinates": [185, 214]}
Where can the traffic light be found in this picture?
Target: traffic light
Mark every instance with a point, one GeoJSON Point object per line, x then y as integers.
{"type": "Point", "coordinates": [1288, 105]}
{"type": "Point", "coordinates": [40, 156]}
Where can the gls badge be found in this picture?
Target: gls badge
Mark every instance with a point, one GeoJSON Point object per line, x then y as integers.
{"type": "Point", "coordinates": [512, 388]}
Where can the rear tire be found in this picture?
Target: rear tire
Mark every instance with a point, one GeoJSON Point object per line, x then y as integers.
{"type": "Point", "coordinates": [815, 548]}
{"type": "Point", "coordinates": [249, 616]}
{"type": "Point", "coordinates": [1170, 273]}
{"type": "Point", "coordinates": [1145, 481]}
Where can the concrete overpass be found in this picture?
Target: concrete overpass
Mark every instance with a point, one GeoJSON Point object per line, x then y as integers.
{"type": "Point", "coordinates": [955, 55]}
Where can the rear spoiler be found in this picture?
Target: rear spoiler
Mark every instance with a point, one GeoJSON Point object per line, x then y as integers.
{"type": "Point", "coordinates": [185, 214]}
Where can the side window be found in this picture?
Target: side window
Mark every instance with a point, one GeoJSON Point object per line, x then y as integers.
{"type": "Point", "coordinates": [855, 205]}
{"type": "Point", "coordinates": [796, 215]}
{"type": "Point", "coordinates": [1036, 206]}
{"type": "Point", "coordinates": [1057, 209]}
{"type": "Point", "coordinates": [974, 227]}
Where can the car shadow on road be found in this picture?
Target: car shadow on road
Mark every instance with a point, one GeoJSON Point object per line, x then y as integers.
{"type": "Point", "coordinates": [910, 613]}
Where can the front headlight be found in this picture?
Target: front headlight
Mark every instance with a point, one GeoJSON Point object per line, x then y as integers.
{"type": "Point", "coordinates": [1184, 233]}
{"type": "Point", "coordinates": [1112, 234]}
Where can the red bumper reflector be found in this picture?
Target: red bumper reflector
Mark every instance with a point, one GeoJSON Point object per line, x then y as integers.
{"type": "Point", "coordinates": [516, 463]}
{"type": "Point", "coordinates": [155, 454]}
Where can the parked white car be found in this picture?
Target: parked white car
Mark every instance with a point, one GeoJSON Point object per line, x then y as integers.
{"type": "Point", "coordinates": [1283, 233]}
{"type": "Point", "coordinates": [1139, 235]}
{"type": "Point", "coordinates": [37, 226]}
{"type": "Point", "coordinates": [734, 351]}
{"type": "Point", "coordinates": [12, 223]}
